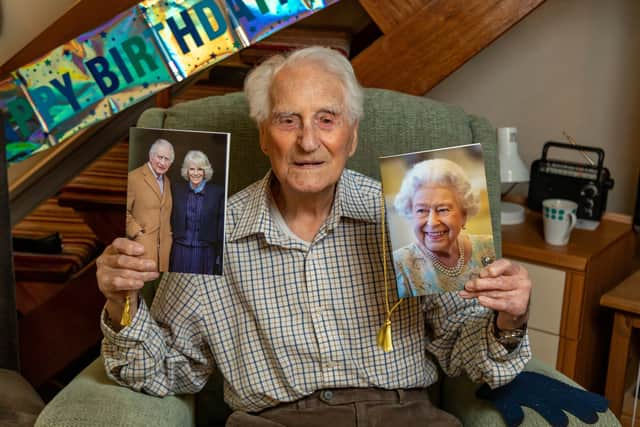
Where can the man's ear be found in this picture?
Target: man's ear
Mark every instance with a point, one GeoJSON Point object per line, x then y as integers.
{"type": "Point", "coordinates": [263, 139]}
{"type": "Point", "coordinates": [354, 139]}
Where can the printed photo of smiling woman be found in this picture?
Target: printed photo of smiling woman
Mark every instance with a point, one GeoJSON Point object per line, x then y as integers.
{"type": "Point", "coordinates": [437, 199]}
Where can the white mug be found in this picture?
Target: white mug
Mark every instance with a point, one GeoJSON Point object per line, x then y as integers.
{"type": "Point", "coordinates": [559, 218]}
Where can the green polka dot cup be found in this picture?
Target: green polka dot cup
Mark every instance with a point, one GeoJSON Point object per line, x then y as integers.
{"type": "Point", "coordinates": [559, 218]}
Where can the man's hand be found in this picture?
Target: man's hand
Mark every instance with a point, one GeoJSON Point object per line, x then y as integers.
{"type": "Point", "coordinates": [122, 271]}
{"type": "Point", "coordinates": [505, 287]}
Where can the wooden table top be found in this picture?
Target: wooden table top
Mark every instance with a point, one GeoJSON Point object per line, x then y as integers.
{"type": "Point", "coordinates": [625, 296]}
{"type": "Point", "coordinates": [526, 241]}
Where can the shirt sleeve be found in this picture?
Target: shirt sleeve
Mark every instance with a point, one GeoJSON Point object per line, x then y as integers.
{"type": "Point", "coordinates": [460, 337]}
{"type": "Point", "coordinates": [161, 352]}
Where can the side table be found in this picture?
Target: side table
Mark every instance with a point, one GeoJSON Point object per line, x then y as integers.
{"type": "Point", "coordinates": [568, 328]}
{"type": "Point", "coordinates": [623, 359]}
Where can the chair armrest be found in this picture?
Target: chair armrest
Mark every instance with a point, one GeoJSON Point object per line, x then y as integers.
{"type": "Point", "coordinates": [19, 402]}
{"type": "Point", "coordinates": [92, 399]}
{"type": "Point", "coordinates": [459, 398]}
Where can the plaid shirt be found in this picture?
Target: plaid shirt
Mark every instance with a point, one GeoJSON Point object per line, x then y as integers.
{"type": "Point", "coordinates": [288, 319]}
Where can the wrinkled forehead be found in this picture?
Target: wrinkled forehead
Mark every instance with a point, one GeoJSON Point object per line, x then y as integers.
{"type": "Point", "coordinates": [306, 87]}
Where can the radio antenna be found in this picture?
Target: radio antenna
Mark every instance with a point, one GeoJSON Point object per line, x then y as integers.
{"type": "Point", "coordinates": [573, 142]}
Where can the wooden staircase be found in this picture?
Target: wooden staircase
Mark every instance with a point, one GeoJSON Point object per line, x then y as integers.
{"type": "Point", "coordinates": [38, 273]}
{"type": "Point", "coordinates": [408, 45]}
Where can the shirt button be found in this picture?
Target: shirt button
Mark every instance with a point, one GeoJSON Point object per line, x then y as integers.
{"type": "Point", "coordinates": [327, 395]}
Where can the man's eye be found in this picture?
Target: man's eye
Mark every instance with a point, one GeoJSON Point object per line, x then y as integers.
{"type": "Point", "coordinates": [326, 121]}
{"type": "Point", "coordinates": [287, 121]}
{"type": "Point", "coordinates": [443, 210]}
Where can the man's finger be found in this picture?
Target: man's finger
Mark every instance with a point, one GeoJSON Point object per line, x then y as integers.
{"type": "Point", "coordinates": [113, 281]}
{"type": "Point", "coordinates": [126, 262]}
{"type": "Point", "coordinates": [494, 294]}
{"type": "Point", "coordinates": [127, 283]}
{"type": "Point", "coordinates": [500, 267]}
{"type": "Point", "coordinates": [130, 275]}
{"type": "Point", "coordinates": [499, 283]}
{"type": "Point", "coordinates": [501, 305]}
{"type": "Point", "coordinates": [128, 247]}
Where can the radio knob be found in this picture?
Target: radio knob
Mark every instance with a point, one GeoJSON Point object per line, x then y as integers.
{"type": "Point", "coordinates": [588, 203]}
{"type": "Point", "coordinates": [589, 191]}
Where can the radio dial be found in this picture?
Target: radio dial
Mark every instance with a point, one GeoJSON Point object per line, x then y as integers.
{"type": "Point", "coordinates": [589, 191]}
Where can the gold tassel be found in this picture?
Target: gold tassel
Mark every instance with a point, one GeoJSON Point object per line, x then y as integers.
{"type": "Point", "coordinates": [384, 337]}
{"type": "Point", "coordinates": [125, 320]}
{"type": "Point", "coordinates": [384, 334]}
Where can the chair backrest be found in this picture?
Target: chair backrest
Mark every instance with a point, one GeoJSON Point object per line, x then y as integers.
{"type": "Point", "coordinates": [393, 123]}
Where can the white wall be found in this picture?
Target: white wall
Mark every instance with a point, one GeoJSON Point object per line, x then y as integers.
{"type": "Point", "coordinates": [571, 65]}
{"type": "Point", "coordinates": [22, 20]}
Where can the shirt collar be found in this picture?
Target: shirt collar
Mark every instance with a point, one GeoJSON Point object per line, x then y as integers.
{"type": "Point", "coordinates": [349, 202]}
{"type": "Point", "coordinates": [155, 175]}
{"type": "Point", "coordinates": [199, 188]}
{"type": "Point", "coordinates": [255, 218]}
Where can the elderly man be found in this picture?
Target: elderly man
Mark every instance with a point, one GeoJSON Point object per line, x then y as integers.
{"type": "Point", "coordinates": [292, 324]}
{"type": "Point", "coordinates": [149, 204]}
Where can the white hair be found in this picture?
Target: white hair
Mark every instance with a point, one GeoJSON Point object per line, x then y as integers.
{"type": "Point", "coordinates": [257, 85]}
{"type": "Point", "coordinates": [197, 159]}
{"type": "Point", "coordinates": [436, 172]}
{"type": "Point", "coordinates": [159, 142]}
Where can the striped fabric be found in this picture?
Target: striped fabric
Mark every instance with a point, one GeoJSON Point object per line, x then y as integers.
{"type": "Point", "coordinates": [288, 319]}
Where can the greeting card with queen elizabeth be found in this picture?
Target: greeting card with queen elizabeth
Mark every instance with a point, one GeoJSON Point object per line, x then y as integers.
{"type": "Point", "coordinates": [439, 220]}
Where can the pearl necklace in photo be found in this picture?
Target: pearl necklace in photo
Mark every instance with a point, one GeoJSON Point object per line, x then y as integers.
{"type": "Point", "coordinates": [441, 268]}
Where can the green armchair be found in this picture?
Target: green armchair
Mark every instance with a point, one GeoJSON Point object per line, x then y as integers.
{"type": "Point", "coordinates": [393, 123]}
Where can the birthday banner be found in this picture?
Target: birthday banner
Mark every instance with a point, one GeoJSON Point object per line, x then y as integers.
{"type": "Point", "coordinates": [134, 55]}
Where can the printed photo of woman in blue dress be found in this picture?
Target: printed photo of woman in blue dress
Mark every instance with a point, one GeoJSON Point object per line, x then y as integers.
{"type": "Point", "coordinates": [197, 218]}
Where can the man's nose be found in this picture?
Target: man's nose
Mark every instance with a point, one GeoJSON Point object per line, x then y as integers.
{"type": "Point", "coordinates": [307, 138]}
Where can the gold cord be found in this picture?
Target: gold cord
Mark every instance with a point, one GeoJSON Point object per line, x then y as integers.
{"type": "Point", "coordinates": [125, 320]}
{"type": "Point", "coordinates": [384, 334]}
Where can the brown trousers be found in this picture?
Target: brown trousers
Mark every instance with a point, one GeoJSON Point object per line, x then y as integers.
{"type": "Point", "coordinates": [351, 407]}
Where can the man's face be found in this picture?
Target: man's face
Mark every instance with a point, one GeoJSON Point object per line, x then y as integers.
{"type": "Point", "coordinates": [161, 159]}
{"type": "Point", "coordinates": [308, 137]}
